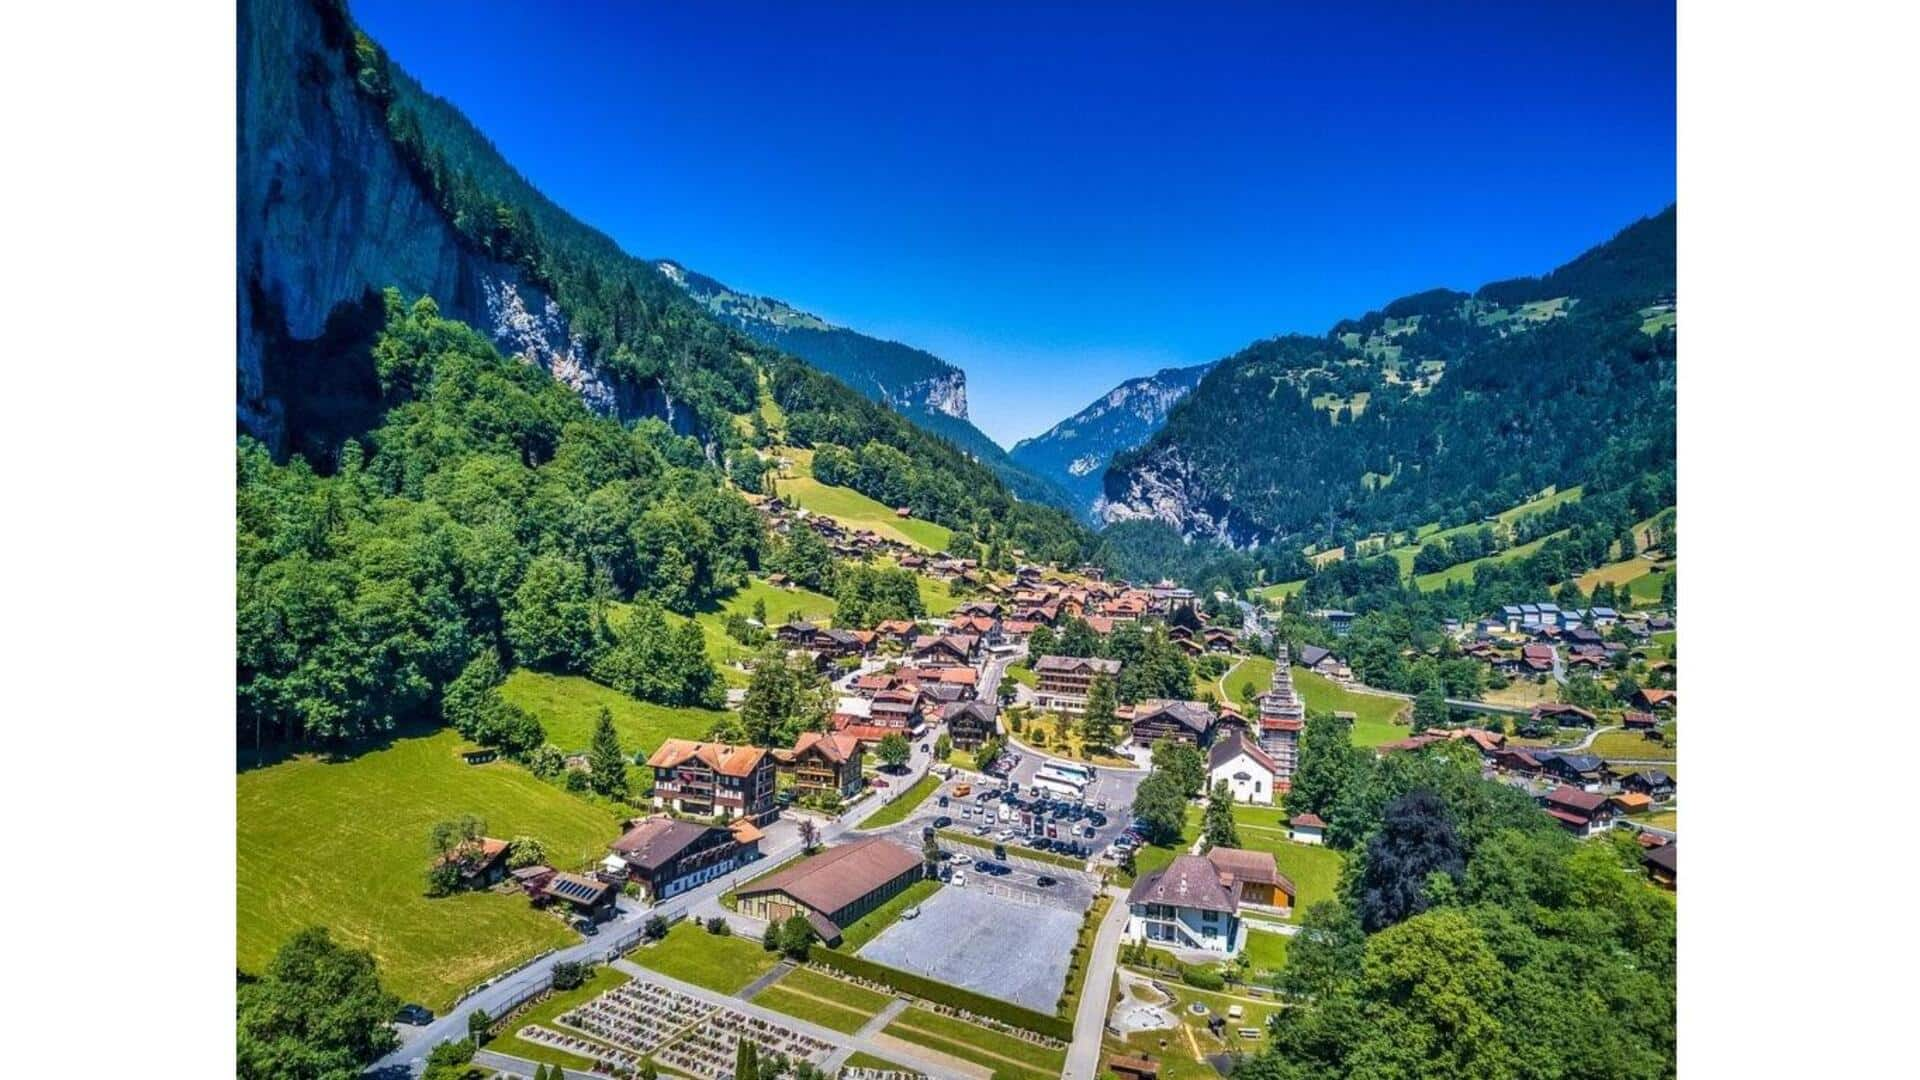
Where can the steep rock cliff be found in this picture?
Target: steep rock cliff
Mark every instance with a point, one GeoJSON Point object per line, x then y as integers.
{"type": "Point", "coordinates": [328, 215]}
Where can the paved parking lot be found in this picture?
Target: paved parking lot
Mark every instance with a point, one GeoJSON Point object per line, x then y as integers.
{"type": "Point", "coordinates": [967, 937]}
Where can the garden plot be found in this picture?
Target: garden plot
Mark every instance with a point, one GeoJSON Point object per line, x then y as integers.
{"type": "Point", "coordinates": [966, 936]}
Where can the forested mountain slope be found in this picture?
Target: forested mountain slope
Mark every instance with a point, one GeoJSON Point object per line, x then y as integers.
{"type": "Point", "coordinates": [914, 382]}
{"type": "Point", "coordinates": [354, 179]}
{"type": "Point", "coordinates": [1440, 407]}
{"type": "Point", "coordinates": [1074, 452]}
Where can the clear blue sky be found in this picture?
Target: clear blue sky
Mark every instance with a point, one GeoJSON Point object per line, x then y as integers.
{"type": "Point", "coordinates": [1058, 198]}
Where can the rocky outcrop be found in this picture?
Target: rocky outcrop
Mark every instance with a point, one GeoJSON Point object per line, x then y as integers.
{"type": "Point", "coordinates": [1074, 453]}
{"type": "Point", "coordinates": [945, 394]}
{"type": "Point", "coordinates": [1166, 488]}
{"type": "Point", "coordinates": [329, 214]}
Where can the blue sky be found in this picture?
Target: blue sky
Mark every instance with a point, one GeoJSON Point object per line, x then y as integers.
{"type": "Point", "coordinates": [1058, 197]}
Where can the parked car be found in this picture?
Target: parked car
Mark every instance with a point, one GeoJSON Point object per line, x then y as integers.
{"type": "Point", "coordinates": [911, 913]}
{"type": "Point", "coordinates": [943, 798]}
{"type": "Point", "coordinates": [1045, 882]}
{"type": "Point", "coordinates": [962, 859]}
{"type": "Point", "coordinates": [942, 821]}
{"type": "Point", "coordinates": [959, 879]}
{"type": "Point", "coordinates": [417, 1015]}
{"type": "Point", "coordinates": [586, 926]}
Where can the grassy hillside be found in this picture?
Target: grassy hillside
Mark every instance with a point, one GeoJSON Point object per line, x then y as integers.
{"type": "Point", "coordinates": [851, 508]}
{"type": "Point", "coordinates": [1432, 533]}
{"type": "Point", "coordinates": [1373, 713]}
{"type": "Point", "coordinates": [567, 705]}
{"type": "Point", "coordinates": [1643, 578]}
{"type": "Point", "coordinates": [345, 846]}
{"type": "Point", "coordinates": [1463, 572]}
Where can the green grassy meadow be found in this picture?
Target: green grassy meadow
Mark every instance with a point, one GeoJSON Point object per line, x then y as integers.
{"type": "Point", "coordinates": [724, 965]}
{"type": "Point", "coordinates": [567, 705]}
{"type": "Point", "coordinates": [1374, 714]}
{"type": "Point", "coordinates": [344, 845]}
{"type": "Point", "coordinates": [1267, 953]}
{"type": "Point", "coordinates": [853, 509]}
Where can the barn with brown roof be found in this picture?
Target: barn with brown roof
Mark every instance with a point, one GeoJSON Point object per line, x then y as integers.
{"type": "Point", "coordinates": [835, 887]}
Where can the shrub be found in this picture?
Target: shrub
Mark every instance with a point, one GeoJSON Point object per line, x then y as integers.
{"type": "Point", "coordinates": [719, 927]}
{"type": "Point", "coordinates": [569, 974]}
{"type": "Point", "coordinates": [443, 879]}
{"type": "Point", "coordinates": [1203, 978]}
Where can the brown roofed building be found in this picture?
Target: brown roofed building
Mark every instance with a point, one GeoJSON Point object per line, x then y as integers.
{"type": "Point", "coordinates": [665, 856]}
{"type": "Point", "coordinates": [1065, 680]}
{"type": "Point", "coordinates": [1662, 865]}
{"type": "Point", "coordinates": [713, 778]}
{"type": "Point", "coordinates": [1261, 881]}
{"type": "Point", "coordinates": [483, 862]}
{"type": "Point", "coordinates": [835, 887]}
{"type": "Point", "coordinates": [970, 723]}
{"type": "Point", "coordinates": [822, 763]}
{"type": "Point", "coordinates": [1190, 722]}
{"type": "Point", "coordinates": [1582, 812]}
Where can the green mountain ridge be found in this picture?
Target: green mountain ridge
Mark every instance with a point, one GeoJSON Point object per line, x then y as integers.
{"type": "Point", "coordinates": [912, 381]}
{"type": "Point", "coordinates": [1441, 406]}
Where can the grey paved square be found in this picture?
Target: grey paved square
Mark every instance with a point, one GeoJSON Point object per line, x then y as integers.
{"type": "Point", "coordinates": [1002, 948]}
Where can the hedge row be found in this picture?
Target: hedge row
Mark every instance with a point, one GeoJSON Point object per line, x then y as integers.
{"type": "Point", "coordinates": [953, 996]}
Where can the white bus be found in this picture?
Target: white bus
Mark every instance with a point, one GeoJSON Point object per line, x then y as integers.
{"type": "Point", "coordinates": [1070, 785]}
{"type": "Point", "coordinates": [1072, 768]}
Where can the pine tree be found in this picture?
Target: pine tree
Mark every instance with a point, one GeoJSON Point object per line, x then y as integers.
{"type": "Point", "coordinates": [1220, 828]}
{"type": "Point", "coordinates": [609, 762]}
{"type": "Point", "coordinates": [1096, 724]}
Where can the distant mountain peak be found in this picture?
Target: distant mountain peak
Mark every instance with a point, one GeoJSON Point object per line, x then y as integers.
{"type": "Point", "coordinates": [1074, 452]}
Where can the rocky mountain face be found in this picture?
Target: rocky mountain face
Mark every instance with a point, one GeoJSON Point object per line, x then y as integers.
{"type": "Point", "coordinates": [328, 215]}
{"type": "Point", "coordinates": [1443, 405]}
{"type": "Point", "coordinates": [907, 379]}
{"type": "Point", "coordinates": [1074, 453]}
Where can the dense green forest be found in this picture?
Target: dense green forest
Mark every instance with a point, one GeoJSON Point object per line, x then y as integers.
{"type": "Point", "coordinates": [491, 517]}
{"type": "Point", "coordinates": [1471, 936]}
{"type": "Point", "coordinates": [1471, 404]}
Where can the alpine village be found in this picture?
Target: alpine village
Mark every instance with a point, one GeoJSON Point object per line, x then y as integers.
{"type": "Point", "coordinates": [623, 693]}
